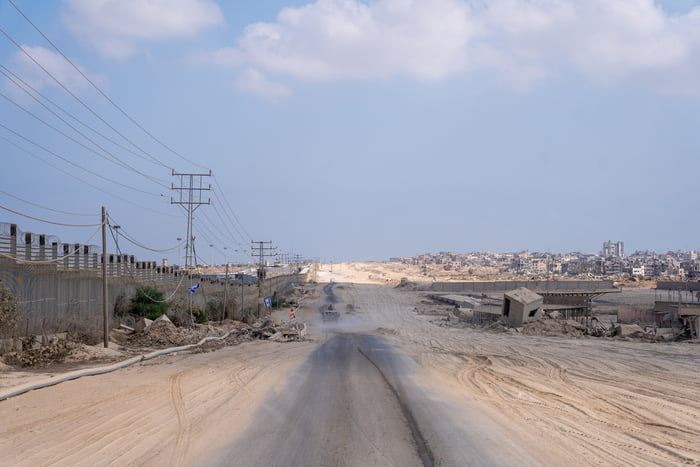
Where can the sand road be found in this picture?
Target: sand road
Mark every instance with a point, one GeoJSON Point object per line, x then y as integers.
{"type": "Point", "coordinates": [381, 386]}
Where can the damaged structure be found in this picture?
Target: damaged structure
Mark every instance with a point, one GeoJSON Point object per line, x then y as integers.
{"type": "Point", "coordinates": [677, 305]}
{"type": "Point", "coordinates": [521, 305]}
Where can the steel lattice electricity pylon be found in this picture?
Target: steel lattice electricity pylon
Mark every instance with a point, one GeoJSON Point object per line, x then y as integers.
{"type": "Point", "coordinates": [263, 251]}
{"type": "Point", "coordinates": [190, 198]}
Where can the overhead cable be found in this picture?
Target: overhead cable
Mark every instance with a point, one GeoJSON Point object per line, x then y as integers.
{"type": "Point", "coordinates": [135, 242]}
{"type": "Point", "coordinates": [64, 159]}
{"type": "Point", "coordinates": [136, 281]}
{"type": "Point", "coordinates": [72, 94]}
{"type": "Point", "coordinates": [100, 189]}
{"type": "Point", "coordinates": [102, 93]}
{"type": "Point", "coordinates": [16, 80]}
{"type": "Point", "coordinates": [44, 207]}
{"type": "Point", "coordinates": [216, 181]}
{"type": "Point", "coordinates": [114, 160]}
{"type": "Point", "coordinates": [45, 221]}
{"type": "Point", "coordinates": [230, 220]}
{"type": "Point", "coordinates": [215, 226]}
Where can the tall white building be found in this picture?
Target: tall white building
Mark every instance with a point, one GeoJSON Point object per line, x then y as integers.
{"type": "Point", "coordinates": [613, 249]}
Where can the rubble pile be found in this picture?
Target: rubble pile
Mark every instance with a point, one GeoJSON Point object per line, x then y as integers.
{"type": "Point", "coordinates": [630, 330]}
{"type": "Point", "coordinates": [37, 353]}
{"type": "Point", "coordinates": [163, 333]}
{"type": "Point", "coordinates": [554, 327]}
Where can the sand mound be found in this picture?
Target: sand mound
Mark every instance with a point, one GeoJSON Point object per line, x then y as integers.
{"type": "Point", "coordinates": [81, 353]}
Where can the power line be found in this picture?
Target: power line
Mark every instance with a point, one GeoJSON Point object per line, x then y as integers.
{"type": "Point", "coordinates": [206, 228]}
{"type": "Point", "coordinates": [44, 207]}
{"type": "Point", "coordinates": [72, 94]}
{"type": "Point", "coordinates": [216, 181]}
{"type": "Point", "coordinates": [135, 242]}
{"type": "Point", "coordinates": [30, 141]}
{"type": "Point", "coordinates": [136, 281]}
{"type": "Point", "coordinates": [230, 236]}
{"type": "Point", "coordinates": [101, 190]}
{"type": "Point", "coordinates": [102, 93]}
{"type": "Point", "coordinates": [115, 160]}
{"type": "Point", "coordinates": [16, 80]}
{"type": "Point", "coordinates": [44, 220]}
{"type": "Point", "coordinates": [225, 224]}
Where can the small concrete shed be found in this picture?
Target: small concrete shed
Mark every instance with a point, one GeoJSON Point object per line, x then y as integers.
{"type": "Point", "coordinates": [521, 305]}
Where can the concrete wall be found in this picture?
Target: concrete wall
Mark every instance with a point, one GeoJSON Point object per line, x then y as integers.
{"type": "Point", "coordinates": [53, 300]}
{"type": "Point", "coordinates": [504, 286]}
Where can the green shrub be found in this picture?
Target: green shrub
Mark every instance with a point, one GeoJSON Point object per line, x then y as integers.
{"type": "Point", "coordinates": [200, 316]}
{"type": "Point", "coordinates": [148, 302]}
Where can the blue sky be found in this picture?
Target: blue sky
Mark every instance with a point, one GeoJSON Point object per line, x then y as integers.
{"type": "Point", "coordinates": [347, 130]}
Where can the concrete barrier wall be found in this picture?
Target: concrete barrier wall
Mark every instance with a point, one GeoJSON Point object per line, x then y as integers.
{"type": "Point", "coordinates": [53, 300]}
{"type": "Point", "coordinates": [504, 286]}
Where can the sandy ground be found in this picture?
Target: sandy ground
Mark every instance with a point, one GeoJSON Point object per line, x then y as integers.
{"type": "Point", "coordinates": [543, 401]}
{"type": "Point", "coordinates": [571, 401]}
{"type": "Point", "coordinates": [372, 273]}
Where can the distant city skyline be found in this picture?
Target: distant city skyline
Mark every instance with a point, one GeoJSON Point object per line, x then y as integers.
{"type": "Point", "coordinates": [355, 130]}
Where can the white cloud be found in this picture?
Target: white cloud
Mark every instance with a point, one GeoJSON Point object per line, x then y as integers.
{"type": "Point", "coordinates": [54, 64]}
{"type": "Point", "coordinates": [520, 41]}
{"type": "Point", "coordinates": [253, 82]}
{"type": "Point", "coordinates": [347, 39]}
{"type": "Point", "coordinates": [115, 27]}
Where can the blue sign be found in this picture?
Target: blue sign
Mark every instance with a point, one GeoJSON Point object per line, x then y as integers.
{"type": "Point", "coordinates": [194, 288]}
{"type": "Point", "coordinates": [268, 302]}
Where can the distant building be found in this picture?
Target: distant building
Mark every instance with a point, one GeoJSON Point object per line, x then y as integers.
{"type": "Point", "coordinates": [613, 249]}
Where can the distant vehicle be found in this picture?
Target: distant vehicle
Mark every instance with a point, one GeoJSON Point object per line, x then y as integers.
{"type": "Point", "coordinates": [329, 314]}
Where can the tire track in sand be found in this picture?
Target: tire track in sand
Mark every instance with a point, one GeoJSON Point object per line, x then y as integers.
{"type": "Point", "coordinates": [184, 426]}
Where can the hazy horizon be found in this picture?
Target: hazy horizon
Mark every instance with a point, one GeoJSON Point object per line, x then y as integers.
{"type": "Point", "coordinates": [359, 130]}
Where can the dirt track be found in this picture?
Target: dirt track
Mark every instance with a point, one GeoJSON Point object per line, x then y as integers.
{"type": "Point", "coordinates": [570, 401]}
{"type": "Point", "coordinates": [476, 397]}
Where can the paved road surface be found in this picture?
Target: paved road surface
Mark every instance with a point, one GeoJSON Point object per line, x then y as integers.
{"type": "Point", "coordinates": [353, 403]}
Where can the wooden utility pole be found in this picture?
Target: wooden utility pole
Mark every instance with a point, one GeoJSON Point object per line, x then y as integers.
{"type": "Point", "coordinates": [105, 298]}
{"type": "Point", "coordinates": [223, 317]}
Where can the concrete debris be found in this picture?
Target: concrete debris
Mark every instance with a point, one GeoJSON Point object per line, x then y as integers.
{"type": "Point", "coordinates": [276, 336]}
{"type": "Point", "coordinates": [497, 326]}
{"type": "Point", "coordinates": [554, 314]}
{"type": "Point", "coordinates": [162, 318]}
{"type": "Point", "coordinates": [629, 330]}
{"type": "Point", "coordinates": [142, 324]}
{"type": "Point", "coordinates": [160, 333]}
{"type": "Point", "coordinates": [554, 327]}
